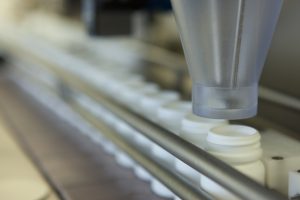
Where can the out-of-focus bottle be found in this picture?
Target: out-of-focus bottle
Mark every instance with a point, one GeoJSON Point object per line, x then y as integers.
{"type": "Point", "coordinates": [149, 104]}
{"type": "Point", "coordinates": [169, 116]}
{"type": "Point", "coordinates": [195, 129]}
{"type": "Point", "coordinates": [131, 95]}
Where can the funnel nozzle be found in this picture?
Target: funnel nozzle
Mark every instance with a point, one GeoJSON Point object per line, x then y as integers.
{"type": "Point", "coordinates": [225, 103]}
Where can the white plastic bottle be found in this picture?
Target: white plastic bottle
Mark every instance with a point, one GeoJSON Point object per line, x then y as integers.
{"type": "Point", "coordinates": [169, 116]}
{"type": "Point", "coordinates": [132, 84]}
{"type": "Point", "coordinates": [111, 83]}
{"type": "Point", "coordinates": [102, 114]}
{"type": "Point", "coordinates": [239, 146]}
{"type": "Point", "coordinates": [132, 96]}
{"type": "Point", "coordinates": [195, 129]}
{"type": "Point", "coordinates": [149, 104]}
{"type": "Point", "coordinates": [118, 85]}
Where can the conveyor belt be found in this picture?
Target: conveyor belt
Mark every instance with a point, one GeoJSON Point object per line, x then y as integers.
{"type": "Point", "coordinates": [76, 168]}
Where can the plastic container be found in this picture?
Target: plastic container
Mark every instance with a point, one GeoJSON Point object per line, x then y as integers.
{"type": "Point", "coordinates": [149, 104]}
{"type": "Point", "coordinates": [118, 84]}
{"type": "Point", "coordinates": [122, 87]}
{"type": "Point", "coordinates": [132, 96]}
{"type": "Point", "coordinates": [130, 87]}
{"type": "Point", "coordinates": [169, 116]}
{"type": "Point", "coordinates": [109, 82]}
{"type": "Point", "coordinates": [195, 129]}
{"type": "Point", "coordinates": [239, 146]}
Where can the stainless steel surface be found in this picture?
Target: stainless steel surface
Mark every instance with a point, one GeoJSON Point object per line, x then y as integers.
{"type": "Point", "coordinates": [215, 169]}
{"type": "Point", "coordinates": [226, 44]}
{"type": "Point", "coordinates": [76, 167]}
{"type": "Point", "coordinates": [176, 183]}
{"type": "Point", "coordinates": [179, 187]}
{"type": "Point", "coordinates": [198, 159]}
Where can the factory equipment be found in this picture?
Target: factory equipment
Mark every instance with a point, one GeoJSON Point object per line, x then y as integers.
{"type": "Point", "coordinates": [111, 117]}
{"type": "Point", "coordinates": [226, 44]}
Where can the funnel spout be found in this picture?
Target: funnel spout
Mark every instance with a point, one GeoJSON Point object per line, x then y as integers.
{"type": "Point", "coordinates": [226, 44]}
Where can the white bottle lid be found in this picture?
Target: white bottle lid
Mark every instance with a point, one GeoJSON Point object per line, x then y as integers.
{"type": "Point", "coordinates": [134, 83]}
{"type": "Point", "coordinates": [113, 85]}
{"type": "Point", "coordinates": [199, 125]}
{"type": "Point", "coordinates": [127, 89]}
{"type": "Point", "coordinates": [195, 129]}
{"type": "Point", "coordinates": [233, 135]}
{"type": "Point", "coordinates": [130, 97]}
{"type": "Point", "coordinates": [171, 114]}
{"type": "Point", "coordinates": [150, 103]}
{"type": "Point", "coordinates": [234, 143]}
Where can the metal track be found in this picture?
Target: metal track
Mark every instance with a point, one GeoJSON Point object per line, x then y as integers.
{"type": "Point", "coordinates": [200, 160]}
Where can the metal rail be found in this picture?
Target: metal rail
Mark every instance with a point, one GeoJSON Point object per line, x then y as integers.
{"type": "Point", "coordinates": [200, 160]}
{"type": "Point", "coordinates": [173, 182]}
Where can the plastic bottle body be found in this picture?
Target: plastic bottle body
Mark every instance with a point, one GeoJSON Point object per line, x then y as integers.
{"type": "Point", "coordinates": [149, 104]}
{"type": "Point", "coordinates": [195, 129]}
{"type": "Point", "coordinates": [239, 146]}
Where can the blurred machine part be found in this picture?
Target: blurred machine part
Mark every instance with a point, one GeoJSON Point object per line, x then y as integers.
{"type": "Point", "coordinates": [226, 44]}
{"type": "Point", "coordinates": [117, 17]}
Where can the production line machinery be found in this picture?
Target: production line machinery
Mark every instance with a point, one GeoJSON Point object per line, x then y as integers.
{"type": "Point", "coordinates": [100, 120]}
{"type": "Point", "coordinates": [72, 81]}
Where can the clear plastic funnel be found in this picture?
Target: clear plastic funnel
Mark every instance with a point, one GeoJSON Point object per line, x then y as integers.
{"type": "Point", "coordinates": [226, 44]}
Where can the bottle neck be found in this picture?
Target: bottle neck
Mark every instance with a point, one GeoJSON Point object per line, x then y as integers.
{"type": "Point", "coordinates": [236, 154]}
{"type": "Point", "coordinates": [234, 143]}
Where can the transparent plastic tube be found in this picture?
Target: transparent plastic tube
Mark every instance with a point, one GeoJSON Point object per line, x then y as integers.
{"type": "Point", "coordinates": [226, 44]}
